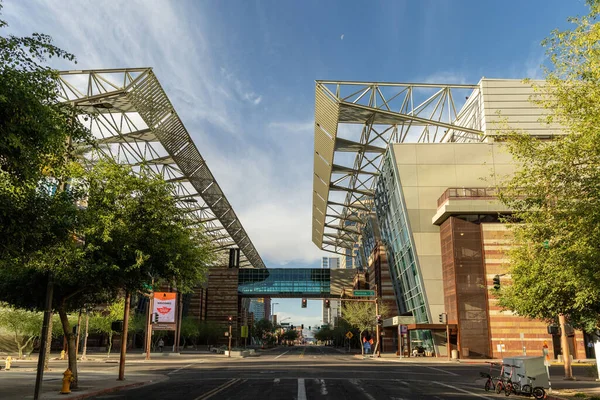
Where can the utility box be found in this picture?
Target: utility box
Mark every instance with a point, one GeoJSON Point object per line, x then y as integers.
{"type": "Point", "coordinates": [528, 366]}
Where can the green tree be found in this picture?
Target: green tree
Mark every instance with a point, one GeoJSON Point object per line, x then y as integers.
{"type": "Point", "coordinates": [263, 330]}
{"type": "Point", "coordinates": [25, 326]}
{"type": "Point", "coordinates": [190, 330]}
{"type": "Point", "coordinates": [361, 315]}
{"type": "Point", "coordinates": [209, 332]}
{"type": "Point", "coordinates": [290, 335]}
{"type": "Point", "coordinates": [101, 321]}
{"type": "Point", "coordinates": [555, 192]}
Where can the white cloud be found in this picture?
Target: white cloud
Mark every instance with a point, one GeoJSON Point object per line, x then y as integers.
{"type": "Point", "coordinates": [264, 168]}
{"type": "Point", "coordinates": [446, 77]}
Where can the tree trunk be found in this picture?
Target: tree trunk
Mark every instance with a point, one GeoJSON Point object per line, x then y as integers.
{"type": "Point", "coordinates": [362, 347]}
{"type": "Point", "coordinates": [48, 343]}
{"type": "Point", "coordinates": [110, 335]}
{"type": "Point", "coordinates": [85, 337]}
{"type": "Point", "coordinates": [18, 343]}
{"type": "Point", "coordinates": [71, 345]}
{"type": "Point", "coordinates": [78, 333]}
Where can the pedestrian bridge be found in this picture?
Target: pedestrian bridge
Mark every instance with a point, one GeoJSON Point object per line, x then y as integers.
{"type": "Point", "coordinates": [316, 283]}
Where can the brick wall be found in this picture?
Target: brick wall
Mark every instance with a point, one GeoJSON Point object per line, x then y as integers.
{"type": "Point", "coordinates": [505, 328]}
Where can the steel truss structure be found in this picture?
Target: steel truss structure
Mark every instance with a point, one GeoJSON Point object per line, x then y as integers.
{"type": "Point", "coordinates": [130, 115]}
{"type": "Point", "coordinates": [355, 122]}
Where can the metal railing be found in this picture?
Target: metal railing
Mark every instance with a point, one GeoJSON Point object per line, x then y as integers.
{"type": "Point", "coordinates": [467, 193]}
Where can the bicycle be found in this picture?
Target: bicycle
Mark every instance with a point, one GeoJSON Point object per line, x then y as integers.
{"type": "Point", "coordinates": [500, 386]}
{"type": "Point", "coordinates": [489, 383]}
{"type": "Point", "coordinates": [528, 390]}
{"type": "Point", "coordinates": [511, 387]}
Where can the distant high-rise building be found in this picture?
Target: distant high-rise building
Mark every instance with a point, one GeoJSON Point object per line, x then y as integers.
{"type": "Point", "coordinates": [257, 306]}
{"type": "Point", "coordinates": [330, 262]}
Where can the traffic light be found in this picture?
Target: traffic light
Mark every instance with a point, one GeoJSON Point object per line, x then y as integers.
{"type": "Point", "coordinates": [443, 317]}
{"type": "Point", "coordinates": [156, 318]}
{"type": "Point", "coordinates": [230, 320]}
{"type": "Point", "coordinates": [292, 327]}
{"type": "Point", "coordinates": [303, 303]}
{"type": "Point", "coordinates": [379, 320]}
{"type": "Point", "coordinates": [553, 330]}
{"type": "Point", "coordinates": [327, 304]}
{"type": "Point", "coordinates": [117, 326]}
{"type": "Point", "coordinates": [302, 326]}
{"type": "Point", "coordinates": [496, 281]}
{"type": "Point", "coordinates": [309, 327]}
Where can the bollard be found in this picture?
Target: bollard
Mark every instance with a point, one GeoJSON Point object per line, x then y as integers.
{"type": "Point", "coordinates": [67, 379]}
{"type": "Point", "coordinates": [7, 363]}
{"type": "Point", "coordinates": [62, 354]}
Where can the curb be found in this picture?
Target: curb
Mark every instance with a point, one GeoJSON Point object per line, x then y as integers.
{"type": "Point", "coordinates": [110, 390]}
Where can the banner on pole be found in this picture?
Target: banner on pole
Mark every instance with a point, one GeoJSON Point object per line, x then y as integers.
{"type": "Point", "coordinates": [164, 306]}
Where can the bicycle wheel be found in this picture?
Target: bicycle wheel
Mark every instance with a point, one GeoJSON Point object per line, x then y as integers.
{"type": "Point", "coordinates": [526, 390]}
{"type": "Point", "coordinates": [539, 392]}
{"type": "Point", "coordinates": [499, 387]}
{"type": "Point", "coordinates": [516, 388]}
{"type": "Point", "coordinates": [488, 385]}
{"type": "Point", "coordinates": [508, 388]}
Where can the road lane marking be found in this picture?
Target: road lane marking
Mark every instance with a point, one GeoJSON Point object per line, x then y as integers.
{"type": "Point", "coordinates": [442, 370]}
{"type": "Point", "coordinates": [281, 354]}
{"type": "Point", "coordinates": [218, 389]}
{"type": "Point", "coordinates": [462, 390]}
{"type": "Point", "coordinates": [179, 369]}
{"type": "Point", "coordinates": [323, 387]}
{"type": "Point", "coordinates": [301, 389]}
{"type": "Point", "coordinates": [356, 383]}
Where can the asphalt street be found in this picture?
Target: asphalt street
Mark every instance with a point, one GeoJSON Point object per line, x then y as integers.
{"type": "Point", "coordinates": [310, 372]}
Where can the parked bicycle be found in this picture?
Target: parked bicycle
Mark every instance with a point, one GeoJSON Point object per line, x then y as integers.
{"type": "Point", "coordinates": [529, 390]}
{"type": "Point", "coordinates": [501, 382]}
{"type": "Point", "coordinates": [510, 386]}
{"type": "Point", "coordinates": [490, 383]}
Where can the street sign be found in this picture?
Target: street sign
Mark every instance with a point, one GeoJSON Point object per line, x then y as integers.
{"type": "Point", "coordinates": [363, 293]}
{"type": "Point", "coordinates": [244, 333]}
{"type": "Point", "coordinates": [349, 335]}
{"type": "Point", "coordinates": [284, 324]}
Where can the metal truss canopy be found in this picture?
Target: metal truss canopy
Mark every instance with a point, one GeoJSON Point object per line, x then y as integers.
{"type": "Point", "coordinates": [358, 120]}
{"type": "Point", "coordinates": [135, 123]}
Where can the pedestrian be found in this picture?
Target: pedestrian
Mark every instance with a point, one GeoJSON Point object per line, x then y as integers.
{"type": "Point", "coordinates": [367, 346]}
{"type": "Point", "coordinates": [161, 344]}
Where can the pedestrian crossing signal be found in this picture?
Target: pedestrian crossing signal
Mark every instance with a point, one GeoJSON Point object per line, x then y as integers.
{"type": "Point", "coordinates": [304, 303]}
{"type": "Point", "coordinates": [327, 304]}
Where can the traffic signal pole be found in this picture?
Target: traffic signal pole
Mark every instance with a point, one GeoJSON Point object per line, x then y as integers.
{"type": "Point", "coordinates": [149, 326]}
{"type": "Point", "coordinates": [377, 329]}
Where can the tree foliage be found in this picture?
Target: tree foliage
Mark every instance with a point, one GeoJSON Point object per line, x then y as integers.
{"type": "Point", "coordinates": [555, 191]}
{"type": "Point", "coordinates": [24, 326]}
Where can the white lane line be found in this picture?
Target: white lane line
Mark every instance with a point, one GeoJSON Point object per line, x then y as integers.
{"type": "Point", "coordinates": [356, 383]}
{"type": "Point", "coordinates": [301, 389]}
{"type": "Point", "coordinates": [442, 370]}
{"type": "Point", "coordinates": [323, 387]}
{"type": "Point", "coordinates": [281, 354]}
{"type": "Point", "coordinates": [462, 390]}
{"type": "Point", "coordinates": [179, 369]}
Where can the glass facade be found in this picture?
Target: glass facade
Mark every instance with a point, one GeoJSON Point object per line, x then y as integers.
{"type": "Point", "coordinates": [284, 282]}
{"type": "Point", "coordinates": [395, 233]}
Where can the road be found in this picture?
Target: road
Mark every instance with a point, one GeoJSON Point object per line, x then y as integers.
{"type": "Point", "coordinates": [310, 372]}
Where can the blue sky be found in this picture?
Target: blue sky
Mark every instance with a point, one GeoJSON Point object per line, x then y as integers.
{"type": "Point", "coordinates": [241, 76]}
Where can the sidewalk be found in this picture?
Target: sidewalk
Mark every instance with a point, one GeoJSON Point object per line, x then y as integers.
{"type": "Point", "coordinates": [22, 387]}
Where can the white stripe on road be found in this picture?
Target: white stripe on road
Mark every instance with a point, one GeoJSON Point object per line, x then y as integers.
{"type": "Point", "coordinates": [442, 370]}
{"type": "Point", "coordinates": [301, 389]}
{"type": "Point", "coordinates": [281, 354]}
{"type": "Point", "coordinates": [179, 369]}
{"type": "Point", "coordinates": [462, 390]}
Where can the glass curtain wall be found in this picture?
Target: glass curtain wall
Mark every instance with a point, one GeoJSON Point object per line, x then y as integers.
{"type": "Point", "coordinates": [395, 233]}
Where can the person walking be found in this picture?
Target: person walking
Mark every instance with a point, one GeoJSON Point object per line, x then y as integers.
{"type": "Point", "coordinates": [161, 344]}
{"type": "Point", "coordinates": [367, 346]}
